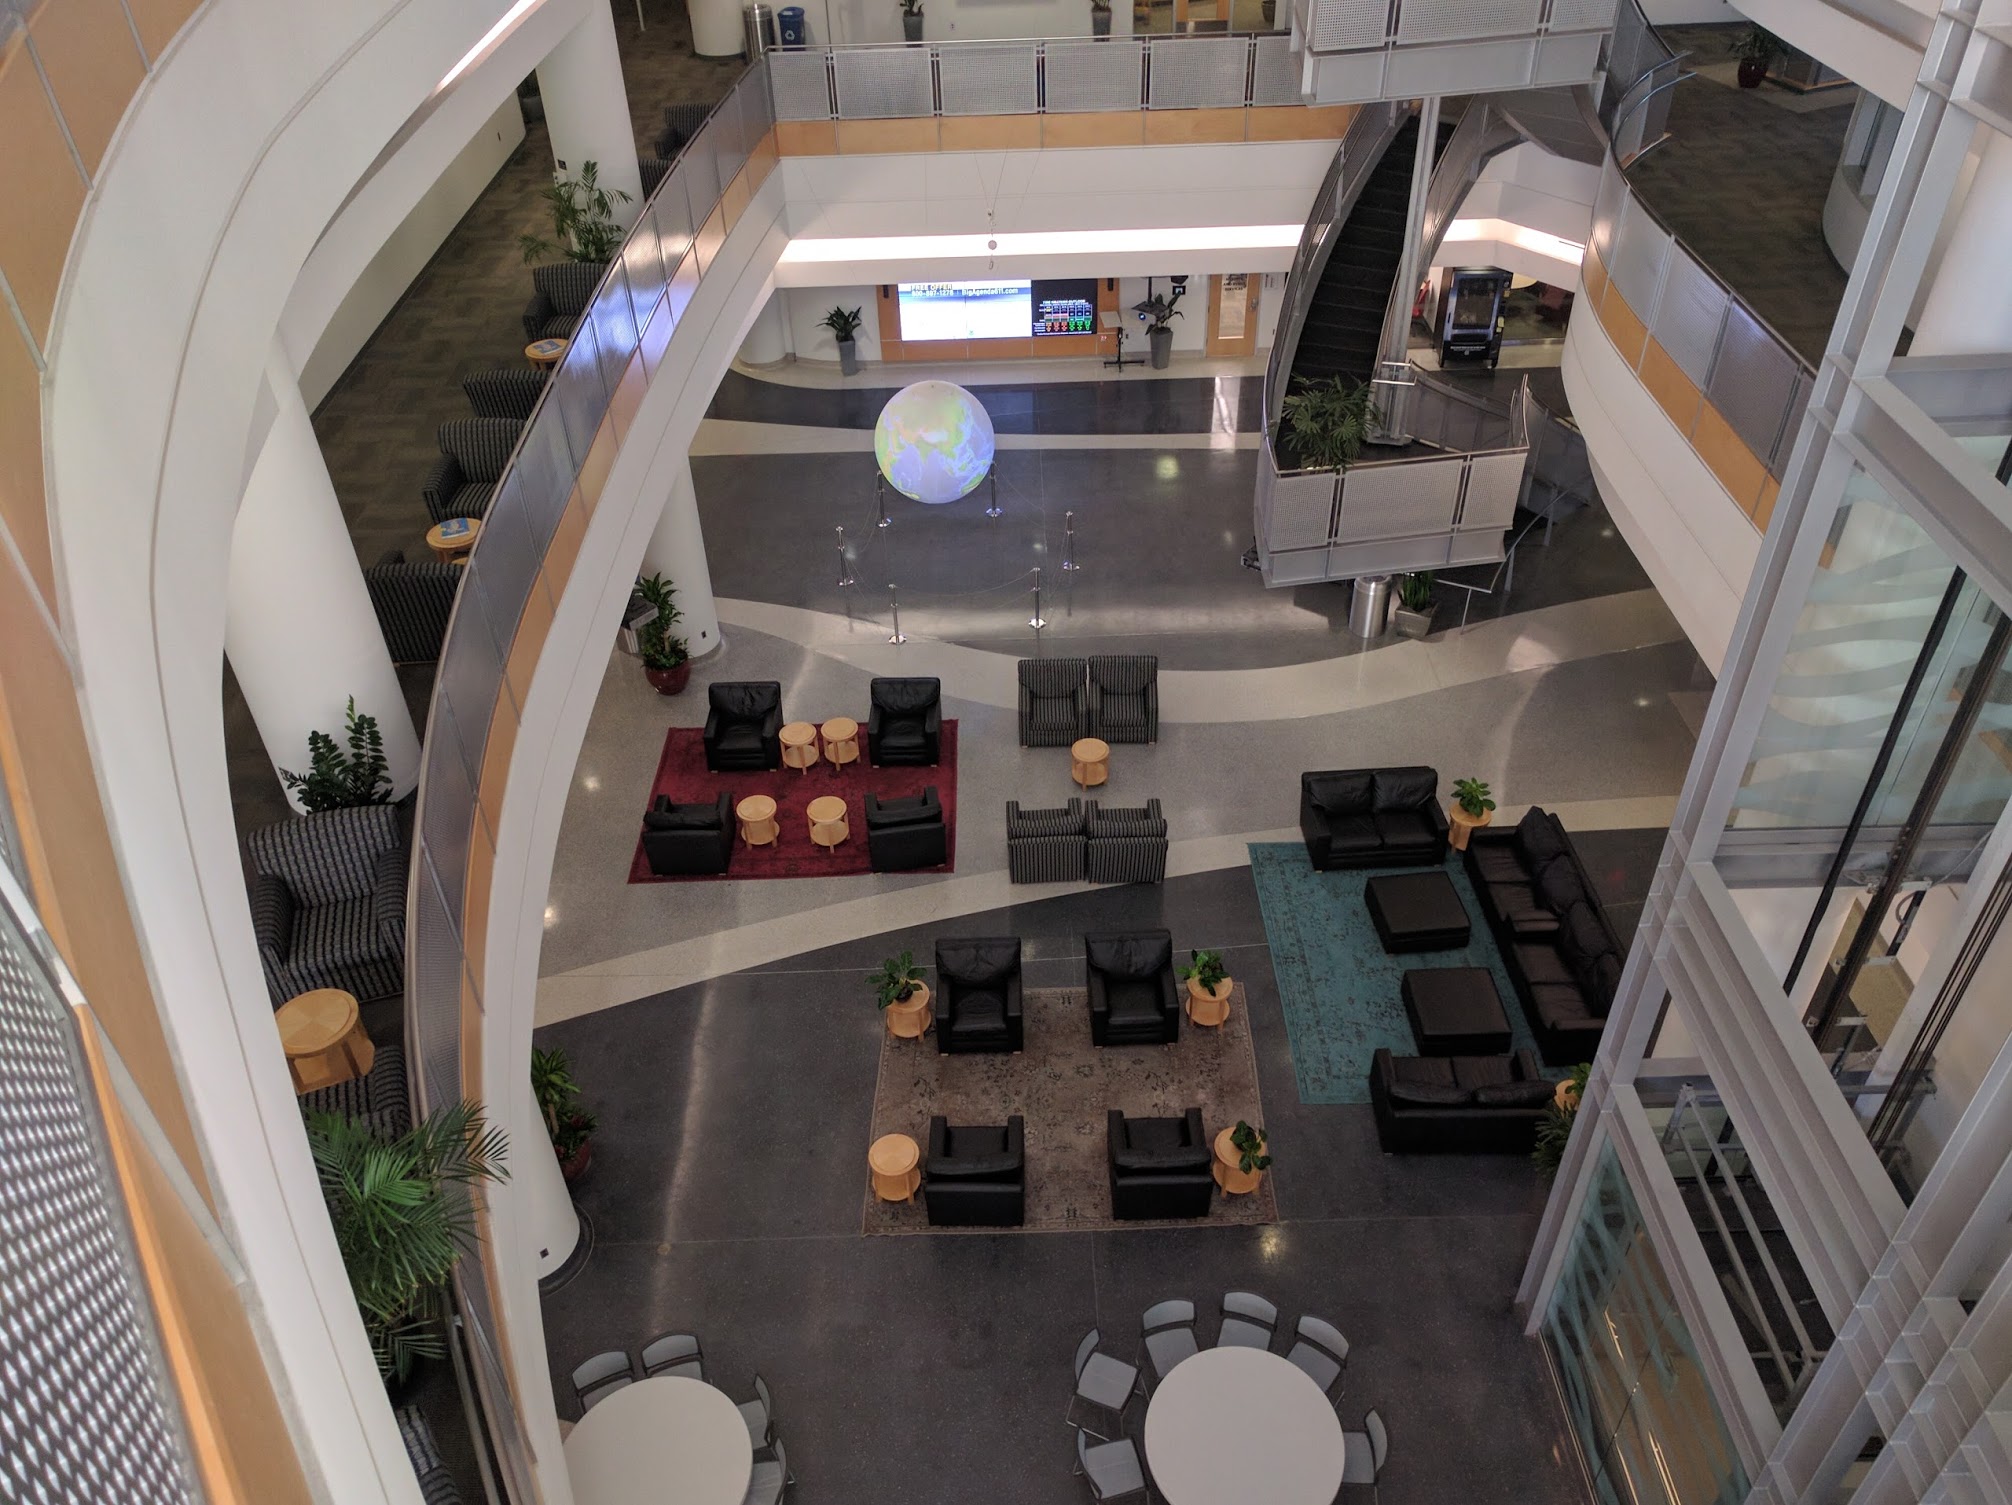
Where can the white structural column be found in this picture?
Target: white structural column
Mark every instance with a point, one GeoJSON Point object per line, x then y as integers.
{"type": "Point", "coordinates": [587, 109]}
{"type": "Point", "coordinates": [1968, 310]}
{"type": "Point", "coordinates": [298, 625]}
{"type": "Point", "coordinates": [767, 339]}
{"type": "Point", "coordinates": [555, 1224]}
{"type": "Point", "coordinates": [677, 551]}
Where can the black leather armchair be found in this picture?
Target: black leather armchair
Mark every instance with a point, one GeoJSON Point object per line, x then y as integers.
{"type": "Point", "coordinates": [689, 840]}
{"type": "Point", "coordinates": [978, 996]}
{"type": "Point", "coordinates": [907, 833]}
{"type": "Point", "coordinates": [905, 725]}
{"type": "Point", "coordinates": [976, 1177]}
{"type": "Point", "coordinates": [1131, 980]}
{"type": "Point", "coordinates": [1159, 1167]}
{"type": "Point", "coordinates": [742, 726]}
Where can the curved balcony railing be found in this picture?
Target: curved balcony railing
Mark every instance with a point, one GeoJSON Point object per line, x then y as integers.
{"type": "Point", "coordinates": [529, 536]}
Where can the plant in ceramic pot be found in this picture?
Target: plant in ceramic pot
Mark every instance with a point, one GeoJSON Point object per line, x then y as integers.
{"type": "Point", "coordinates": [1327, 421]}
{"type": "Point", "coordinates": [1249, 1143]}
{"type": "Point", "coordinates": [1555, 1130]}
{"type": "Point", "coordinates": [569, 1126]}
{"type": "Point", "coordinates": [1159, 312]}
{"type": "Point", "coordinates": [911, 20]}
{"type": "Point", "coordinates": [1100, 18]}
{"type": "Point", "coordinates": [1209, 987]}
{"type": "Point", "coordinates": [667, 658]}
{"type": "Point", "coordinates": [1416, 605]}
{"type": "Point", "coordinates": [1756, 48]}
{"type": "Point", "coordinates": [903, 996]}
{"type": "Point", "coordinates": [844, 325]}
{"type": "Point", "coordinates": [1472, 807]}
{"type": "Point", "coordinates": [583, 219]}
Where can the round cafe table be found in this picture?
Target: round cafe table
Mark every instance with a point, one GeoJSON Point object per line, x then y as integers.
{"type": "Point", "coordinates": [667, 1441]}
{"type": "Point", "coordinates": [1232, 1425]}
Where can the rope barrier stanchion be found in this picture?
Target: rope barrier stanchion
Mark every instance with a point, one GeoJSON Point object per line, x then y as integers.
{"type": "Point", "coordinates": [1069, 542]}
{"type": "Point", "coordinates": [844, 569]}
{"type": "Point", "coordinates": [1037, 621]}
{"type": "Point", "coordinates": [880, 500]}
{"type": "Point", "coordinates": [992, 508]}
{"type": "Point", "coordinates": [894, 610]}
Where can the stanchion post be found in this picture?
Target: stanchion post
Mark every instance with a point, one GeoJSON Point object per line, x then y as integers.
{"type": "Point", "coordinates": [844, 570]}
{"type": "Point", "coordinates": [1037, 621]}
{"type": "Point", "coordinates": [880, 500]}
{"type": "Point", "coordinates": [1069, 542]}
{"type": "Point", "coordinates": [894, 610]}
{"type": "Point", "coordinates": [992, 508]}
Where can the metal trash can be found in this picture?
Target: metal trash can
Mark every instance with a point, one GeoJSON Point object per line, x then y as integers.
{"type": "Point", "coordinates": [1369, 606]}
{"type": "Point", "coordinates": [758, 24]}
{"type": "Point", "coordinates": [790, 26]}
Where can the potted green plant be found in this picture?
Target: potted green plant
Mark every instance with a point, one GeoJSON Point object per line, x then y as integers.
{"type": "Point", "coordinates": [1327, 421]}
{"type": "Point", "coordinates": [667, 658]}
{"type": "Point", "coordinates": [1555, 1128]}
{"type": "Point", "coordinates": [1209, 987]}
{"type": "Point", "coordinates": [1100, 18]}
{"type": "Point", "coordinates": [844, 325]}
{"type": "Point", "coordinates": [336, 780]}
{"type": "Point", "coordinates": [1241, 1160]}
{"type": "Point", "coordinates": [911, 20]}
{"type": "Point", "coordinates": [903, 996]}
{"type": "Point", "coordinates": [583, 219]}
{"type": "Point", "coordinates": [1756, 48]}
{"type": "Point", "coordinates": [1472, 808]}
{"type": "Point", "coordinates": [1416, 605]}
{"type": "Point", "coordinates": [400, 1210]}
{"type": "Point", "coordinates": [1159, 312]}
{"type": "Point", "coordinates": [569, 1126]}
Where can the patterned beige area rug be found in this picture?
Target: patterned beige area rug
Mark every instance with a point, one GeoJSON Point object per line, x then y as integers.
{"type": "Point", "coordinates": [1062, 1085]}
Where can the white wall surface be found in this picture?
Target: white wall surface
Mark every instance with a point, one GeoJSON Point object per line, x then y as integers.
{"type": "Point", "coordinates": [1881, 57]}
{"type": "Point", "coordinates": [332, 336]}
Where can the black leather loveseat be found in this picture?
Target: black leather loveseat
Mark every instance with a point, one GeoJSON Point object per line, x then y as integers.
{"type": "Point", "coordinates": [976, 1177]}
{"type": "Point", "coordinates": [1464, 1105]}
{"type": "Point", "coordinates": [1555, 939]}
{"type": "Point", "coordinates": [689, 839]}
{"type": "Point", "coordinates": [1159, 1166]}
{"type": "Point", "coordinates": [1372, 817]}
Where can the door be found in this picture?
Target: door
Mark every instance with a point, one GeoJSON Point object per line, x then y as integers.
{"type": "Point", "coordinates": [1233, 313]}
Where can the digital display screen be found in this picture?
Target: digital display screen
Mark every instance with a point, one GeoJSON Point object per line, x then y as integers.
{"type": "Point", "coordinates": [966, 310]}
{"type": "Point", "coordinates": [1065, 306]}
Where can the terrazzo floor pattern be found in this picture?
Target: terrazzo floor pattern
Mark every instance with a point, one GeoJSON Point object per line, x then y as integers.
{"type": "Point", "coordinates": [910, 1371]}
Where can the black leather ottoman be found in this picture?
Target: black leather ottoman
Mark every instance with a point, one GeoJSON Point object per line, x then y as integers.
{"type": "Point", "coordinates": [1416, 912]}
{"type": "Point", "coordinates": [1455, 1011]}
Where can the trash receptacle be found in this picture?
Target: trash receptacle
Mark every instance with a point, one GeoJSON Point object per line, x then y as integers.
{"type": "Point", "coordinates": [758, 23]}
{"type": "Point", "coordinates": [1369, 606]}
{"type": "Point", "coordinates": [789, 26]}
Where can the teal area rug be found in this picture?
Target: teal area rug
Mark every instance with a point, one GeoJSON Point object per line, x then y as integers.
{"type": "Point", "coordinates": [1338, 987]}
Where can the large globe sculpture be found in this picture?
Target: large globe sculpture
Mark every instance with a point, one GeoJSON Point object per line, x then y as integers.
{"type": "Point", "coordinates": [934, 441]}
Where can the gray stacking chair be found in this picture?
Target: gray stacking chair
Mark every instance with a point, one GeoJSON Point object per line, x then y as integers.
{"type": "Point", "coordinates": [1123, 692]}
{"type": "Point", "coordinates": [1248, 1321]}
{"type": "Point", "coordinates": [1362, 1463]}
{"type": "Point", "coordinates": [600, 1377]}
{"type": "Point", "coordinates": [1054, 709]}
{"type": "Point", "coordinates": [1103, 1381]}
{"type": "Point", "coordinates": [1111, 1467]}
{"type": "Point", "coordinates": [676, 1354]}
{"type": "Point", "coordinates": [1321, 1351]}
{"type": "Point", "coordinates": [759, 1414]}
{"type": "Point", "coordinates": [1169, 1331]}
{"type": "Point", "coordinates": [765, 1484]}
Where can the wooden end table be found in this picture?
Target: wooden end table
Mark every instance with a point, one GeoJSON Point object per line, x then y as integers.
{"type": "Point", "coordinates": [757, 818]}
{"type": "Point", "coordinates": [1089, 761]}
{"type": "Point", "coordinates": [911, 1017]}
{"type": "Point", "coordinates": [841, 741]}
{"type": "Point", "coordinates": [799, 745]}
{"type": "Point", "coordinates": [895, 1161]}
{"type": "Point", "coordinates": [1460, 825]}
{"type": "Point", "coordinates": [322, 1034]}
{"type": "Point", "coordinates": [827, 821]}
{"type": "Point", "coordinates": [454, 550]}
{"type": "Point", "coordinates": [1210, 1009]}
{"type": "Point", "coordinates": [545, 354]}
{"type": "Point", "coordinates": [1229, 1172]}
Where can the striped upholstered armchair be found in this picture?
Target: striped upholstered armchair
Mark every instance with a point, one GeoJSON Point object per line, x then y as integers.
{"type": "Point", "coordinates": [1054, 709]}
{"type": "Point", "coordinates": [560, 293]}
{"type": "Point", "coordinates": [473, 452]}
{"type": "Point", "coordinates": [1045, 846]}
{"type": "Point", "coordinates": [413, 602]}
{"type": "Point", "coordinates": [1125, 845]}
{"type": "Point", "coordinates": [1124, 697]}
{"type": "Point", "coordinates": [328, 902]}
{"type": "Point", "coordinates": [511, 392]}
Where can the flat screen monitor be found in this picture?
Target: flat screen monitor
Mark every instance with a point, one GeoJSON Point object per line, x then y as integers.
{"type": "Point", "coordinates": [1065, 306]}
{"type": "Point", "coordinates": [966, 310]}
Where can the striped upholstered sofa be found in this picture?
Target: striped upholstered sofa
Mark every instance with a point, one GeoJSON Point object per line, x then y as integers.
{"type": "Point", "coordinates": [413, 602]}
{"type": "Point", "coordinates": [473, 452]}
{"type": "Point", "coordinates": [328, 902]}
{"type": "Point", "coordinates": [1045, 846]}
{"type": "Point", "coordinates": [379, 1099]}
{"type": "Point", "coordinates": [1125, 845]}
{"type": "Point", "coordinates": [436, 1484]}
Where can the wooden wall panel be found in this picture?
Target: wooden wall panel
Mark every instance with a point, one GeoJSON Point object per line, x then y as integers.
{"type": "Point", "coordinates": [23, 510]}
{"type": "Point", "coordinates": [94, 68]}
{"type": "Point", "coordinates": [159, 20]}
{"type": "Point", "coordinates": [806, 138]}
{"type": "Point", "coordinates": [1189, 127]}
{"type": "Point", "coordinates": [39, 184]}
{"type": "Point", "coordinates": [1096, 128]}
{"type": "Point", "coordinates": [989, 133]}
{"type": "Point", "coordinates": [874, 137]}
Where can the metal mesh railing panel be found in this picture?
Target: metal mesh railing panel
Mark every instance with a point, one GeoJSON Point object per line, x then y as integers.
{"type": "Point", "coordinates": [1197, 73]}
{"type": "Point", "coordinates": [1581, 15]}
{"type": "Point", "coordinates": [1343, 25]}
{"type": "Point", "coordinates": [1102, 75]}
{"type": "Point", "coordinates": [1398, 501]}
{"type": "Point", "coordinates": [1640, 244]}
{"type": "Point", "coordinates": [989, 80]}
{"type": "Point", "coordinates": [883, 83]}
{"type": "Point", "coordinates": [1493, 484]}
{"type": "Point", "coordinates": [1275, 72]}
{"type": "Point", "coordinates": [1450, 20]}
{"type": "Point", "coordinates": [802, 86]}
{"type": "Point", "coordinates": [1753, 381]}
{"type": "Point", "coordinates": [433, 981]}
{"type": "Point", "coordinates": [1688, 316]}
{"type": "Point", "coordinates": [1302, 511]}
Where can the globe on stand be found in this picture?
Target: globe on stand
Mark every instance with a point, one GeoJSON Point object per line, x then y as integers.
{"type": "Point", "coordinates": [933, 441]}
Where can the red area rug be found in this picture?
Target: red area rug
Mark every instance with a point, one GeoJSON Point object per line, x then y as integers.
{"type": "Point", "coordinates": [683, 775]}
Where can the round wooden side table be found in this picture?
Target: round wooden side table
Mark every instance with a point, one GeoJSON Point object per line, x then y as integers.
{"type": "Point", "coordinates": [1208, 1008]}
{"type": "Point", "coordinates": [545, 354]}
{"type": "Point", "coordinates": [841, 741]}
{"type": "Point", "coordinates": [322, 1034]}
{"type": "Point", "coordinates": [895, 1161]}
{"type": "Point", "coordinates": [910, 1018]}
{"type": "Point", "coordinates": [1090, 761]}
{"type": "Point", "coordinates": [1460, 825]}
{"type": "Point", "coordinates": [757, 818]}
{"type": "Point", "coordinates": [827, 821]}
{"type": "Point", "coordinates": [453, 549]}
{"type": "Point", "coordinates": [799, 745]}
{"type": "Point", "coordinates": [1229, 1172]}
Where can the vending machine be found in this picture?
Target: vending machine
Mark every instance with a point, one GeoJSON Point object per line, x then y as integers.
{"type": "Point", "coordinates": [1470, 315]}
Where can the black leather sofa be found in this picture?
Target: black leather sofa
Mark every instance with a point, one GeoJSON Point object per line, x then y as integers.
{"type": "Point", "coordinates": [1133, 1000]}
{"type": "Point", "coordinates": [1462, 1105]}
{"type": "Point", "coordinates": [1159, 1166]}
{"type": "Point", "coordinates": [905, 726]}
{"type": "Point", "coordinates": [1554, 936]}
{"type": "Point", "coordinates": [743, 726]}
{"type": "Point", "coordinates": [689, 840]}
{"type": "Point", "coordinates": [906, 833]}
{"type": "Point", "coordinates": [978, 996]}
{"type": "Point", "coordinates": [1372, 817]}
{"type": "Point", "coordinates": [976, 1177]}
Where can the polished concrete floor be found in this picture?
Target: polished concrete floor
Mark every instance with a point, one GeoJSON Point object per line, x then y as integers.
{"type": "Point", "coordinates": [725, 1200]}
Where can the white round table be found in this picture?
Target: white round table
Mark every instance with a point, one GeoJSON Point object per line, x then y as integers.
{"type": "Point", "coordinates": [1232, 1425]}
{"type": "Point", "coordinates": [661, 1441]}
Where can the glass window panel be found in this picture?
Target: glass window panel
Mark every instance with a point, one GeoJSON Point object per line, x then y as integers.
{"type": "Point", "coordinates": [643, 265]}
{"type": "Point", "coordinates": [580, 390]}
{"type": "Point", "coordinates": [614, 326]}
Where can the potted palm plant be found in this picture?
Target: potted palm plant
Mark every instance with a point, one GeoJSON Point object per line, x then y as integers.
{"type": "Point", "coordinates": [569, 1126]}
{"type": "Point", "coordinates": [1472, 808]}
{"type": "Point", "coordinates": [400, 1210]}
{"type": "Point", "coordinates": [1241, 1160]}
{"type": "Point", "coordinates": [1556, 1127]}
{"type": "Point", "coordinates": [844, 325]}
{"type": "Point", "coordinates": [1208, 987]}
{"type": "Point", "coordinates": [1159, 313]}
{"type": "Point", "coordinates": [911, 20]}
{"type": "Point", "coordinates": [1416, 605]}
{"type": "Point", "coordinates": [1756, 48]}
{"type": "Point", "coordinates": [583, 219]}
{"type": "Point", "coordinates": [903, 996]}
{"type": "Point", "coordinates": [1326, 421]}
{"type": "Point", "coordinates": [667, 658]}
{"type": "Point", "coordinates": [1100, 18]}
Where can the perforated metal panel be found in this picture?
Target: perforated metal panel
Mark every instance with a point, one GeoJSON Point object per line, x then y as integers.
{"type": "Point", "coordinates": [1753, 381]}
{"type": "Point", "coordinates": [1103, 75]}
{"type": "Point", "coordinates": [1339, 25]}
{"type": "Point", "coordinates": [85, 1407]}
{"type": "Point", "coordinates": [1581, 15]}
{"type": "Point", "coordinates": [997, 79]}
{"type": "Point", "coordinates": [802, 88]}
{"type": "Point", "coordinates": [1302, 511]}
{"type": "Point", "coordinates": [1275, 73]}
{"type": "Point", "coordinates": [1688, 316]}
{"type": "Point", "coordinates": [1493, 484]}
{"type": "Point", "coordinates": [1637, 262]}
{"type": "Point", "coordinates": [1398, 501]}
{"type": "Point", "coordinates": [883, 83]}
{"type": "Point", "coordinates": [1449, 20]}
{"type": "Point", "coordinates": [1197, 73]}
{"type": "Point", "coordinates": [433, 984]}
